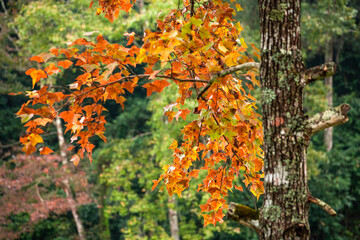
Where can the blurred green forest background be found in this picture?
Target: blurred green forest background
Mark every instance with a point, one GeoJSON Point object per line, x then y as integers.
{"type": "Point", "coordinates": [113, 194]}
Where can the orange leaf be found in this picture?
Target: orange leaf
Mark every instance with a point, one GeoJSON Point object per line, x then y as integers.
{"type": "Point", "coordinates": [54, 51]}
{"type": "Point", "coordinates": [29, 71]}
{"type": "Point", "coordinates": [238, 188]}
{"type": "Point", "coordinates": [157, 85]}
{"type": "Point", "coordinates": [67, 116]}
{"type": "Point", "coordinates": [36, 75]}
{"type": "Point", "coordinates": [131, 37]}
{"type": "Point", "coordinates": [182, 113]}
{"type": "Point", "coordinates": [156, 182]}
{"type": "Point", "coordinates": [174, 145]}
{"type": "Point", "coordinates": [51, 69]}
{"type": "Point", "coordinates": [126, 7]}
{"type": "Point", "coordinates": [37, 59]}
{"type": "Point", "coordinates": [194, 173]}
{"type": "Point", "coordinates": [45, 150]}
{"type": "Point", "coordinates": [75, 159]}
{"type": "Point", "coordinates": [65, 64]}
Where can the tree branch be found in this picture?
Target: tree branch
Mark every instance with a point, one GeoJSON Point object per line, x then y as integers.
{"type": "Point", "coordinates": [182, 80]}
{"type": "Point", "coordinates": [329, 118]}
{"type": "Point", "coordinates": [244, 215]}
{"type": "Point", "coordinates": [326, 207]}
{"type": "Point", "coordinates": [320, 72]}
{"type": "Point", "coordinates": [227, 72]}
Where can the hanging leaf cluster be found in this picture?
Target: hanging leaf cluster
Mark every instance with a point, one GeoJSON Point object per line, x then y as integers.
{"type": "Point", "coordinates": [197, 47]}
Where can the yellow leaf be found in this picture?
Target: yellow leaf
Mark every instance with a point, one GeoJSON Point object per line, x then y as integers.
{"type": "Point", "coordinates": [222, 48]}
{"type": "Point", "coordinates": [174, 145]}
{"type": "Point", "coordinates": [75, 159]}
{"type": "Point", "coordinates": [35, 139]}
{"type": "Point", "coordinates": [238, 7]}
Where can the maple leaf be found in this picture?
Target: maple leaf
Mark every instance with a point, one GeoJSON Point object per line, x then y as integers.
{"type": "Point", "coordinates": [155, 86]}
{"type": "Point", "coordinates": [174, 145]}
{"type": "Point", "coordinates": [45, 150]}
{"type": "Point", "coordinates": [51, 69]}
{"type": "Point", "coordinates": [194, 173]}
{"type": "Point", "coordinates": [36, 75]}
{"type": "Point", "coordinates": [65, 64]}
{"type": "Point", "coordinates": [131, 37]}
{"type": "Point", "coordinates": [35, 139]}
{"type": "Point", "coordinates": [37, 59]}
{"type": "Point", "coordinates": [75, 159]}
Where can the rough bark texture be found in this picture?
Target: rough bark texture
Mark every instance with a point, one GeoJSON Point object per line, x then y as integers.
{"type": "Point", "coordinates": [62, 147]}
{"type": "Point", "coordinates": [173, 218]}
{"type": "Point", "coordinates": [284, 214]}
{"type": "Point", "coordinates": [329, 55]}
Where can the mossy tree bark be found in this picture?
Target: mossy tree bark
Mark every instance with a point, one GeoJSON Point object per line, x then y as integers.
{"type": "Point", "coordinates": [287, 131]}
{"type": "Point", "coordinates": [285, 211]}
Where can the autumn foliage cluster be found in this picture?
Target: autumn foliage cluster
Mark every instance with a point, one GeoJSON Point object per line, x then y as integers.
{"type": "Point", "coordinates": [195, 47]}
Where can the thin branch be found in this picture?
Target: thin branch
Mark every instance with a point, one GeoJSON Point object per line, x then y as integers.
{"type": "Point", "coordinates": [244, 215]}
{"type": "Point", "coordinates": [237, 68]}
{"type": "Point", "coordinates": [329, 118]}
{"type": "Point", "coordinates": [139, 76]}
{"type": "Point", "coordinates": [320, 72]}
{"type": "Point", "coordinates": [141, 135]}
{"type": "Point", "coordinates": [183, 80]}
{"type": "Point", "coordinates": [326, 207]}
{"type": "Point", "coordinates": [227, 72]}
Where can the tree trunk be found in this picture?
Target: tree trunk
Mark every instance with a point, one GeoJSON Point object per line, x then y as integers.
{"type": "Point", "coordinates": [287, 132]}
{"type": "Point", "coordinates": [173, 218]}
{"type": "Point", "coordinates": [284, 214]}
{"type": "Point", "coordinates": [328, 134]}
{"type": "Point", "coordinates": [71, 201]}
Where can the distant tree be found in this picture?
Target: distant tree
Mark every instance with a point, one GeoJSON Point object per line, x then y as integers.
{"type": "Point", "coordinates": [32, 189]}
